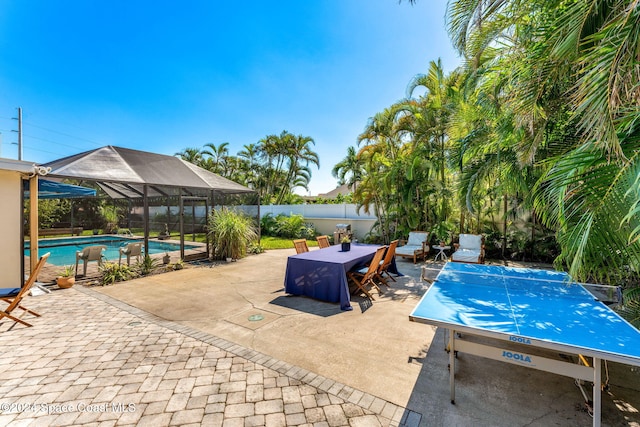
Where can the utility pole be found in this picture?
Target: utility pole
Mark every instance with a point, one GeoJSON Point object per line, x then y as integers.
{"type": "Point", "coordinates": [19, 133]}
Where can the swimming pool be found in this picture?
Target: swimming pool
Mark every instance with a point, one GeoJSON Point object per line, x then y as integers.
{"type": "Point", "coordinates": [63, 250]}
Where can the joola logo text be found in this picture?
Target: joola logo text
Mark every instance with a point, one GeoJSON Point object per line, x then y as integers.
{"type": "Point", "coordinates": [519, 339]}
{"type": "Point", "coordinates": [516, 356]}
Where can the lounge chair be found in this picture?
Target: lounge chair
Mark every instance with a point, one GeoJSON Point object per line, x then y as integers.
{"type": "Point", "coordinates": [323, 242]}
{"type": "Point", "coordinates": [90, 253]}
{"type": "Point", "coordinates": [14, 296]}
{"type": "Point", "coordinates": [470, 249]}
{"type": "Point", "coordinates": [131, 250]}
{"type": "Point", "coordinates": [386, 263]}
{"type": "Point", "coordinates": [365, 277]}
{"type": "Point", "coordinates": [417, 246]}
{"type": "Point", "coordinates": [301, 245]}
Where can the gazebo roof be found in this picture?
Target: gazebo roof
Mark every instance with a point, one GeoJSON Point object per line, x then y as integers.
{"type": "Point", "coordinates": [123, 173]}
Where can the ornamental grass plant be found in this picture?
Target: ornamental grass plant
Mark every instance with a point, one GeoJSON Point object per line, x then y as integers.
{"type": "Point", "coordinates": [231, 232]}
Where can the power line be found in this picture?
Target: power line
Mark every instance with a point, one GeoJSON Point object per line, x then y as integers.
{"type": "Point", "coordinates": [49, 140]}
{"type": "Point", "coordinates": [64, 134]}
{"type": "Point", "coordinates": [43, 151]}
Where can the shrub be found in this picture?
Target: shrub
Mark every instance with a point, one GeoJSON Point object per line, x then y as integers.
{"type": "Point", "coordinates": [268, 225]}
{"type": "Point", "coordinates": [148, 265]}
{"type": "Point", "coordinates": [255, 248]}
{"type": "Point", "coordinates": [289, 226]}
{"type": "Point", "coordinates": [112, 272]}
{"type": "Point", "coordinates": [231, 233]}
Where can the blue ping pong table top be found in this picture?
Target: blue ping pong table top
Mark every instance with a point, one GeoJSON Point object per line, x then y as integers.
{"type": "Point", "coordinates": [533, 304]}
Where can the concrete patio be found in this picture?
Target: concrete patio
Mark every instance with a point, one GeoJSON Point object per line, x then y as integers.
{"type": "Point", "coordinates": [224, 345]}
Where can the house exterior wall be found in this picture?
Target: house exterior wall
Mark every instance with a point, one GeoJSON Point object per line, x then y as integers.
{"type": "Point", "coordinates": [10, 218]}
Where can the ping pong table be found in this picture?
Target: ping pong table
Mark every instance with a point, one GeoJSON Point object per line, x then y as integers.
{"type": "Point", "coordinates": [523, 307]}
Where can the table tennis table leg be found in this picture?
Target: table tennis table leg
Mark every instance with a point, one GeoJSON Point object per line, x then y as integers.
{"type": "Point", "coordinates": [452, 365]}
{"type": "Point", "coordinates": [597, 393]}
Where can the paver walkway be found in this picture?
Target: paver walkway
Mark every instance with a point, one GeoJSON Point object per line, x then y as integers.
{"type": "Point", "coordinates": [93, 360]}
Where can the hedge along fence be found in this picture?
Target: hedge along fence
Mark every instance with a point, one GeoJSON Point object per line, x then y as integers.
{"type": "Point", "coordinates": [343, 211]}
{"type": "Point", "coordinates": [325, 217]}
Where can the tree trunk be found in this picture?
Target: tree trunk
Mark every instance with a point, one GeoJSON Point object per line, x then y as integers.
{"type": "Point", "coordinates": [504, 225]}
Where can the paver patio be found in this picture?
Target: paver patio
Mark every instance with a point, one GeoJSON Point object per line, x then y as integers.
{"type": "Point", "coordinates": [178, 349]}
{"type": "Point", "coordinates": [94, 360]}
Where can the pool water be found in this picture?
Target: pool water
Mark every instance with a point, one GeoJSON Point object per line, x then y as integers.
{"type": "Point", "coordinates": [63, 250]}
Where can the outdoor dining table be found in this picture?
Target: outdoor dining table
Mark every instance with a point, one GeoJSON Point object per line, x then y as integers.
{"type": "Point", "coordinates": [322, 273]}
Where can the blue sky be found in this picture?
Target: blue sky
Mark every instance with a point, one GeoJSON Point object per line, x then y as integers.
{"type": "Point", "coordinates": [164, 75]}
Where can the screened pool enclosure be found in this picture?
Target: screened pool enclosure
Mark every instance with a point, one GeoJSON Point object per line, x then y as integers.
{"type": "Point", "coordinates": [165, 197]}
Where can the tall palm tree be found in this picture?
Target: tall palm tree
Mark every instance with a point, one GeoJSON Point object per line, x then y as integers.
{"type": "Point", "coordinates": [250, 152]}
{"type": "Point", "coordinates": [299, 157]}
{"type": "Point", "coordinates": [569, 82]}
{"type": "Point", "coordinates": [286, 161]}
{"type": "Point", "coordinates": [349, 170]}
{"type": "Point", "coordinates": [432, 119]}
{"type": "Point", "coordinates": [218, 155]}
{"type": "Point", "coordinates": [191, 155]}
{"type": "Point", "coordinates": [250, 165]}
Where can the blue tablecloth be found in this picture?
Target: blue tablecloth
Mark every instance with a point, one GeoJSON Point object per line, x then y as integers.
{"type": "Point", "coordinates": [322, 273]}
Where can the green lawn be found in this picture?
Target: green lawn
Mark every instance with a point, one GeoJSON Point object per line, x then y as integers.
{"type": "Point", "coordinates": [269, 242]}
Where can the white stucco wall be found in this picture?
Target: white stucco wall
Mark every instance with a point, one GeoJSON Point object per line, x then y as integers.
{"type": "Point", "coordinates": [359, 227]}
{"type": "Point", "coordinates": [10, 218]}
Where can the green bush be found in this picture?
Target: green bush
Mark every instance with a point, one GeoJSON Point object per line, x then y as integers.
{"type": "Point", "coordinates": [268, 225]}
{"type": "Point", "coordinates": [112, 272]}
{"type": "Point", "coordinates": [255, 248]}
{"type": "Point", "coordinates": [148, 265]}
{"type": "Point", "coordinates": [231, 233]}
{"type": "Point", "coordinates": [292, 227]}
{"type": "Point", "coordinates": [289, 226]}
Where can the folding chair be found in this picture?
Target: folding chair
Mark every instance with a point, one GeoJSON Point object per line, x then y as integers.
{"type": "Point", "coordinates": [323, 241]}
{"type": "Point", "coordinates": [301, 245]}
{"type": "Point", "coordinates": [14, 296]}
{"type": "Point", "coordinates": [366, 277]}
{"type": "Point", "coordinates": [386, 262]}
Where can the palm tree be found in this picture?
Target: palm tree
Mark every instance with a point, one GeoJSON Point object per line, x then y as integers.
{"type": "Point", "coordinates": [191, 155]}
{"type": "Point", "coordinates": [218, 155]}
{"type": "Point", "coordinates": [567, 84]}
{"type": "Point", "coordinates": [431, 119]}
{"type": "Point", "coordinates": [249, 164]}
{"type": "Point", "coordinates": [349, 170]}
{"type": "Point", "coordinates": [270, 152]}
{"type": "Point", "coordinates": [250, 153]}
{"type": "Point", "coordinates": [299, 155]}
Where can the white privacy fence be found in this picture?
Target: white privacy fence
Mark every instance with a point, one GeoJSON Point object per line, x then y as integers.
{"type": "Point", "coordinates": [323, 217]}
{"type": "Point", "coordinates": [345, 210]}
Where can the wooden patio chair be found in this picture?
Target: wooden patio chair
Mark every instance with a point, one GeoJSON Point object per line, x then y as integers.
{"type": "Point", "coordinates": [386, 262]}
{"type": "Point", "coordinates": [90, 253]}
{"type": "Point", "coordinates": [469, 249]}
{"type": "Point", "coordinates": [416, 246]}
{"type": "Point", "coordinates": [365, 277]}
{"type": "Point", "coordinates": [323, 241]}
{"type": "Point", "coordinates": [14, 296]}
{"type": "Point", "coordinates": [131, 250]}
{"type": "Point", "coordinates": [301, 245]}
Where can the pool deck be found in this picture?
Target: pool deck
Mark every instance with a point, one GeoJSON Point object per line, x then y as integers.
{"type": "Point", "coordinates": [50, 271]}
{"type": "Point", "coordinates": [182, 349]}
